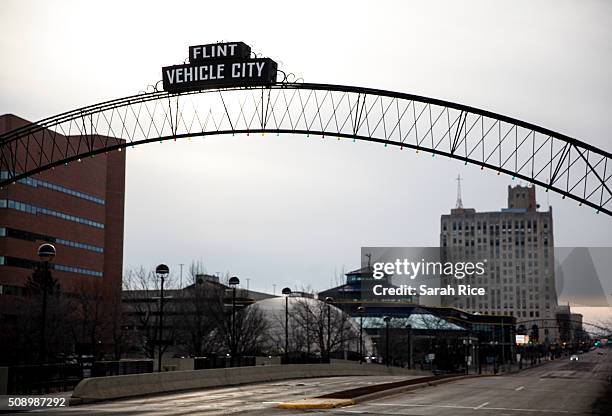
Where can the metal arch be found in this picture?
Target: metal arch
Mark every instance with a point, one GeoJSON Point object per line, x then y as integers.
{"type": "Point", "coordinates": [568, 166]}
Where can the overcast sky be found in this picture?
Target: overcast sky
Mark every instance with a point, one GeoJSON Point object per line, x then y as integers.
{"type": "Point", "coordinates": [286, 211]}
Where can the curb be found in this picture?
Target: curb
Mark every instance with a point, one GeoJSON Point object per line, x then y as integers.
{"type": "Point", "coordinates": [403, 389]}
{"type": "Point", "coordinates": [316, 403]}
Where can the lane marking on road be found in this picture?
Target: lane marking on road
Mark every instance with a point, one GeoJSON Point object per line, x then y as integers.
{"type": "Point", "coordinates": [466, 407]}
{"type": "Point", "coordinates": [481, 406]}
{"type": "Point", "coordinates": [450, 406]}
{"type": "Point", "coordinates": [519, 388]}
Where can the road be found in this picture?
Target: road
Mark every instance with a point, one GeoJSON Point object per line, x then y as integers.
{"type": "Point", "coordinates": [248, 399]}
{"type": "Point", "coordinates": [558, 387]}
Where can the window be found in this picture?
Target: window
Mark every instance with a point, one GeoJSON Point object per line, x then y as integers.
{"type": "Point", "coordinates": [32, 209]}
{"type": "Point", "coordinates": [31, 264]}
{"type": "Point", "coordinates": [54, 187]}
{"type": "Point", "coordinates": [29, 236]}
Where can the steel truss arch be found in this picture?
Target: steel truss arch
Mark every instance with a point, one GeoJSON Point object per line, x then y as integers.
{"type": "Point", "coordinates": [540, 156]}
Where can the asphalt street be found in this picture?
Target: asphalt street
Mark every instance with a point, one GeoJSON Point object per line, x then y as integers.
{"type": "Point", "coordinates": [558, 387]}
{"type": "Point", "coordinates": [248, 399]}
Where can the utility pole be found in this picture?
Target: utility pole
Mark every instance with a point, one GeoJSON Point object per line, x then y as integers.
{"type": "Point", "coordinates": [181, 278]}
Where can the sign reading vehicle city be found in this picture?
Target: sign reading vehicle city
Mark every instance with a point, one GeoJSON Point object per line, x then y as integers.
{"type": "Point", "coordinates": [219, 65]}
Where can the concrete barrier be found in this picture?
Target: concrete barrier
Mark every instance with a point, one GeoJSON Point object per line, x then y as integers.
{"type": "Point", "coordinates": [115, 387]}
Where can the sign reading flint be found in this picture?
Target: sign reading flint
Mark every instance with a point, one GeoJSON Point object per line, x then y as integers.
{"type": "Point", "coordinates": [219, 65]}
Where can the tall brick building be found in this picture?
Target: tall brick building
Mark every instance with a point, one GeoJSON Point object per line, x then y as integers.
{"type": "Point", "coordinates": [78, 208]}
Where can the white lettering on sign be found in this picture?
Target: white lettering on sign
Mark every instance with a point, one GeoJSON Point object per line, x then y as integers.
{"type": "Point", "coordinates": [216, 74]}
{"type": "Point", "coordinates": [170, 74]}
{"type": "Point", "coordinates": [214, 51]}
{"type": "Point", "coordinates": [247, 69]}
{"type": "Point", "coordinates": [195, 73]}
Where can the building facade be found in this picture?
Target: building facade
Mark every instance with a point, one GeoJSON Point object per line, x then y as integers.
{"type": "Point", "coordinates": [518, 247]}
{"type": "Point", "coordinates": [191, 321]}
{"type": "Point", "coordinates": [423, 336]}
{"type": "Point", "coordinates": [78, 208]}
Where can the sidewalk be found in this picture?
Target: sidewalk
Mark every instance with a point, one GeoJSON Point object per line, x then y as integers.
{"type": "Point", "coordinates": [513, 368]}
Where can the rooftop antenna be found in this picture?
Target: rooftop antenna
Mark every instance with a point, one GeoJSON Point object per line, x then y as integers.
{"type": "Point", "coordinates": [459, 204]}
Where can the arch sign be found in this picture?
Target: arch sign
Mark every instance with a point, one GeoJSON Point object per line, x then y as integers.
{"type": "Point", "coordinates": [224, 89]}
{"type": "Point", "coordinates": [219, 65]}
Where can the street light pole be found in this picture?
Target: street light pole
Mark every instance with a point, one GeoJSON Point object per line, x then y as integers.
{"type": "Point", "coordinates": [409, 328]}
{"type": "Point", "coordinates": [162, 271]}
{"type": "Point", "coordinates": [286, 292]}
{"type": "Point", "coordinates": [360, 309]}
{"type": "Point", "coordinates": [503, 341]}
{"type": "Point", "coordinates": [46, 253]}
{"type": "Point", "coordinates": [387, 319]}
{"type": "Point", "coordinates": [467, 353]}
{"type": "Point", "coordinates": [329, 300]}
{"type": "Point", "coordinates": [233, 282]}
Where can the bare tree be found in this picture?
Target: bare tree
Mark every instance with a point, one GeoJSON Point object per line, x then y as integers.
{"type": "Point", "coordinates": [142, 305]}
{"type": "Point", "coordinates": [199, 308]}
{"type": "Point", "coordinates": [118, 328]}
{"type": "Point", "coordinates": [311, 316]}
{"type": "Point", "coordinates": [26, 334]}
{"type": "Point", "coordinates": [89, 314]}
{"type": "Point", "coordinates": [250, 332]}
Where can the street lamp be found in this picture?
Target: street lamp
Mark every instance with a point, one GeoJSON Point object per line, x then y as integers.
{"type": "Point", "coordinates": [46, 253]}
{"type": "Point", "coordinates": [286, 292]}
{"type": "Point", "coordinates": [360, 309]}
{"type": "Point", "coordinates": [329, 300]}
{"type": "Point", "coordinates": [468, 343]}
{"type": "Point", "coordinates": [409, 329]}
{"type": "Point", "coordinates": [387, 319]}
{"type": "Point", "coordinates": [161, 271]}
{"type": "Point", "coordinates": [233, 282]}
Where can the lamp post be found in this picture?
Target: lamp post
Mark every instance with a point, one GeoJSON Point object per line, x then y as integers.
{"type": "Point", "coordinates": [329, 300]}
{"type": "Point", "coordinates": [387, 319]}
{"type": "Point", "coordinates": [468, 342]}
{"type": "Point", "coordinates": [360, 309]}
{"type": "Point", "coordinates": [161, 271]}
{"type": "Point", "coordinates": [409, 329]}
{"type": "Point", "coordinates": [46, 253]}
{"type": "Point", "coordinates": [286, 292]}
{"type": "Point", "coordinates": [233, 282]}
